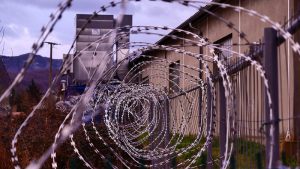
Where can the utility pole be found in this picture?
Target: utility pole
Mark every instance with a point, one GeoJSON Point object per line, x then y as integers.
{"type": "Point", "coordinates": [50, 71]}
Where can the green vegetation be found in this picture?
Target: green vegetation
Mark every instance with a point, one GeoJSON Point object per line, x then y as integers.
{"type": "Point", "coordinates": [246, 153]}
{"type": "Point", "coordinates": [249, 154]}
{"type": "Point", "coordinates": [186, 141]}
{"type": "Point", "coordinates": [289, 160]}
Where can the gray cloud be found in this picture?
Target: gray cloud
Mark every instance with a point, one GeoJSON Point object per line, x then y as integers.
{"type": "Point", "coordinates": [77, 5]}
{"type": "Point", "coordinates": [24, 19]}
{"type": "Point", "coordinates": [50, 4]}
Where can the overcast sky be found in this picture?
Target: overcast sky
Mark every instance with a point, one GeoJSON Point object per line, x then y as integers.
{"type": "Point", "coordinates": [23, 20]}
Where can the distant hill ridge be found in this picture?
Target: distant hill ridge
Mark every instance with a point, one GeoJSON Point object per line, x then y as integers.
{"type": "Point", "coordinates": [15, 63]}
{"type": "Point", "coordinates": [38, 70]}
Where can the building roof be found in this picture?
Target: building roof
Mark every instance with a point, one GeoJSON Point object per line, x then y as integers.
{"type": "Point", "coordinates": [200, 14]}
{"type": "Point", "coordinates": [194, 17]}
{"type": "Point", "coordinates": [98, 17]}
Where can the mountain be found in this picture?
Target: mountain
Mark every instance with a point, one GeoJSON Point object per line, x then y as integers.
{"type": "Point", "coordinates": [38, 70]}
{"type": "Point", "coordinates": [15, 63]}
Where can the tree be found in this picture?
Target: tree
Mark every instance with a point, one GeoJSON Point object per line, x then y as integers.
{"type": "Point", "coordinates": [25, 100]}
{"type": "Point", "coordinates": [12, 97]}
{"type": "Point", "coordinates": [34, 91]}
{"type": "Point", "coordinates": [22, 102]}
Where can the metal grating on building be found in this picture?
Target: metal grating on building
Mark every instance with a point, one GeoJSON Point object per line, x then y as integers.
{"type": "Point", "coordinates": [91, 51]}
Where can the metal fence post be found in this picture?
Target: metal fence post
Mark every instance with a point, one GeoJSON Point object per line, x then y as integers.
{"type": "Point", "coordinates": [209, 159]}
{"type": "Point", "coordinates": [222, 122]}
{"type": "Point", "coordinates": [151, 128]}
{"type": "Point", "coordinates": [271, 68]}
{"type": "Point", "coordinates": [167, 136]}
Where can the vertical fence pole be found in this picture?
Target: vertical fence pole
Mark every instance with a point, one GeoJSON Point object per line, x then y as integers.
{"type": "Point", "coordinates": [199, 110]}
{"type": "Point", "coordinates": [296, 99]}
{"type": "Point", "coordinates": [167, 136]}
{"type": "Point", "coordinates": [271, 68]}
{"type": "Point", "coordinates": [200, 91]}
{"type": "Point", "coordinates": [209, 161]}
{"type": "Point", "coordinates": [222, 122]}
{"type": "Point", "coordinates": [151, 128]}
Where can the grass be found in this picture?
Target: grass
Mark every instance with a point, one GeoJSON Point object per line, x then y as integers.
{"type": "Point", "coordinates": [289, 160]}
{"type": "Point", "coordinates": [186, 141]}
{"type": "Point", "coordinates": [247, 154]}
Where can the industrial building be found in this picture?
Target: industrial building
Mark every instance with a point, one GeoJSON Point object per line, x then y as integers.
{"type": "Point", "coordinates": [90, 49]}
{"type": "Point", "coordinates": [247, 83]}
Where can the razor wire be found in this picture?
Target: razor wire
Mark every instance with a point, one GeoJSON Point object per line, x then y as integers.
{"type": "Point", "coordinates": [134, 112]}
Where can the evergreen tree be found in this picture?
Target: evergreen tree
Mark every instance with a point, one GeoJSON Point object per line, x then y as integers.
{"type": "Point", "coordinates": [34, 91]}
{"type": "Point", "coordinates": [12, 97]}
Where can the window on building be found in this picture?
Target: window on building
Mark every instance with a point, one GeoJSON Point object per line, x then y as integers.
{"type": "Point", "coordinates": [224, 54]}
{"type": "Point", "coordinates": [174, 77]}
{"type": "Point", "coordinates": [95, 31]}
